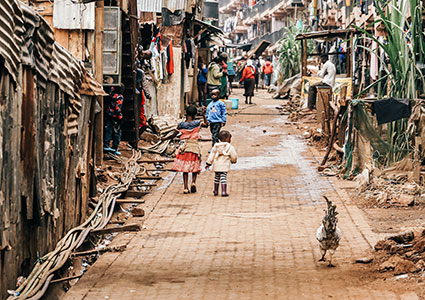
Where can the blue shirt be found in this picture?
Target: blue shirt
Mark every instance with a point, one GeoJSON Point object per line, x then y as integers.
{"type": "Point", "coordinates": [230, 69]}
{"type": "Point", "coordinates": [202, 76]}
{"type": "Point", "coordinates": [216, 112]}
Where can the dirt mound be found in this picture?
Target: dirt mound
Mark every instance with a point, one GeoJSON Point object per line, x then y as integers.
{"type": "Point", "coordinates": [401, 254]}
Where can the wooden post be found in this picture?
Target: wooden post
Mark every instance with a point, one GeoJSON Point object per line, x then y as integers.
{"type": "Point", "coordinates": [98, 49]}
{"type": "Point", "coordinates": [304, 57]}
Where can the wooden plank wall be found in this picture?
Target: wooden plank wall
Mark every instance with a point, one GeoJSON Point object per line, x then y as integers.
{"type": "Point", "coordinates": [45, 172]}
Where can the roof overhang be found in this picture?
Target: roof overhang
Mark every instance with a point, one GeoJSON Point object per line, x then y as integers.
{"type": "Point", "coordinates": [208, 27]}
{"type": "Point", "coordinates": [326, 34]}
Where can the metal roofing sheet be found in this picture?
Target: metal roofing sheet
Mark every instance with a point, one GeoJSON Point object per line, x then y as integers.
{"type": "Point", "coordinates": [66, 71]}
{"type": "Point", "coordinates": [149, 5]}
{"type": "Point", "coordinates": [27, 38]}
{"type": "Point", "coordinates": [11, 29]}
{"type": "Point", "coordinates": [37, 47]}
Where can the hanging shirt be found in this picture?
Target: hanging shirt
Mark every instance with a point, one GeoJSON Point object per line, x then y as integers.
{"type": "Point", "coordinates": [170, 61]}
{"type": "Point", "coordinates": [391, 109]}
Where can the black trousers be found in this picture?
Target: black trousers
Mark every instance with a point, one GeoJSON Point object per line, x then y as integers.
{"type": "Point", "coordinates": [215, 130]}
{"type": "Point", "coordinates": [312, 94]}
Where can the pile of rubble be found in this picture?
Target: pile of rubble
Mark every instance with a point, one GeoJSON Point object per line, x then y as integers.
{"type": "Point", "coordinates": [383, 192]}
{"type": "Point", "coordinates": [401, 254]}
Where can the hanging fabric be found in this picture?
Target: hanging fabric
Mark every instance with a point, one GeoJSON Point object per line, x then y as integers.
{"type": "Point", "coordinates": [170, 61]}
{"type": "Point", "coordinates": [142, 121]}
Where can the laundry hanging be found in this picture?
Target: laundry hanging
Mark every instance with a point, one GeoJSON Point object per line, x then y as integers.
{"type": "Point", "coordinates": [391, 109]}
{"type": "Point", "coordinates": [170, 61]}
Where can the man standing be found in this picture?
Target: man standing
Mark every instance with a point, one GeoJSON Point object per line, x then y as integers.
{"type": "Point", "coordinates": [328, 73]}
{"type": "Point", "coordinates": [214, 75]}
{"type": "Point", "coordinates": [268, 71]}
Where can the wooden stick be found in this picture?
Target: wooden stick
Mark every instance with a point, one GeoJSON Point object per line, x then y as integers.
{"type": "Point", "coordinates": [135, 194]}
{"type": "Point", "coordinates": [152, 161]}
{"type": "Point", "coordinates": [99, 250]}
{"type": "Point", "coordinates": [149, 177]}
{"type": "Point", "coordinates": [123, 201]}
{"type": "Point", "coordinates": [331, 138]}
{"type": "Point", "coordinates": [66, 278]}
{"type": "Point", "coordinates": [132, 227]}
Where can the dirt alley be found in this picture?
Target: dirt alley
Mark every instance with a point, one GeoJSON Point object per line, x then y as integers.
{"type": "Point", "coordinates": [257, 244]}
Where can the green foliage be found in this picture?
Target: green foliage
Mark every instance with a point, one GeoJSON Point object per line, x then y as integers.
{"type": "Point", "coordinates": [404, 49]}
{"type": "Point", "coordinates": [290, 53]}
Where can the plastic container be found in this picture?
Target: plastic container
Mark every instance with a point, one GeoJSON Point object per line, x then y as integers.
{"type": "Point", "coordinates": [228, 104]}
{"type": "Point", "coordinates": [235, 103]}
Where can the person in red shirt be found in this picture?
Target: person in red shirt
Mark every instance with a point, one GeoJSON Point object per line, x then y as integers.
{"type": "Point", "coordinates": [113, 119]}
{"type": "Point", "coordinates": [248, 79]}
{"type": "Point", "coordinates": [268, 71]}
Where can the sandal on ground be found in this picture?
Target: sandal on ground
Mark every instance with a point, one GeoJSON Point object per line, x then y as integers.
{"type": "Point", "coordinates": [186, 191]}
{"type": "Point", "coordinates": [193, 188]}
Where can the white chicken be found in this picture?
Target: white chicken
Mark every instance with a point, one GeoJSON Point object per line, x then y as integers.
{"type": "Point", "coordinates": [328, 234]}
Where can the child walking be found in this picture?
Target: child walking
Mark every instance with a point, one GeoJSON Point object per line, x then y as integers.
{"type": "Point", "coordinates": [216, 115]}
{"type": "Point", "coordinates": [221, 156]}
{"type": "Point", "coordinates": [188, 159]}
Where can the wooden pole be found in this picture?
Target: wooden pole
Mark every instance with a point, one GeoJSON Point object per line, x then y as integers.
{"type": "Point", "coordinates": [98, 49]}
{"type": "Point", "coordinates": [304, 57]}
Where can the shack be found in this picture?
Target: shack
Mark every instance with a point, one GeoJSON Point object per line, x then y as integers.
{"type": "Point", "coordinates": [48, 107]}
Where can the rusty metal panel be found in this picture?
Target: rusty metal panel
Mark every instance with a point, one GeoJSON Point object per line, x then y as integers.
{"type": "Point", "coordinates": [11, 29]}
{"type": "Point", "coordinates": [66, 71]}
{"type": "Point", "coordinates": [149, 5]}
{"type": "Point", "coordinates": [38, 39]}
{"type": "Point", "coordinates": [67, 14]}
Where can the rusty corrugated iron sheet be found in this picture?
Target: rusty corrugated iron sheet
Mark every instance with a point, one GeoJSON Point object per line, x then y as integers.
{"type": "Point", "coordinates": [38, 39]}
{"type": "Point", "coordinates": [66, 71]}
{"type": "Point", "coordinates": [91, 87]}
{"type": "Point", "coordinates": [27, 38]}
{"type": "Point", "coordinates": [11, 30]}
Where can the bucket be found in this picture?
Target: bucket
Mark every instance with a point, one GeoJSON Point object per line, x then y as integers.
{"type": "Point", "coordinates": [228, 104]}
{"type": "Point", "coordinates": [235, 103]}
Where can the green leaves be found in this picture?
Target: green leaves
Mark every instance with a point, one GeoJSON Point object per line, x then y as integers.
{"type": "Point", "coordinates": [290, 53]}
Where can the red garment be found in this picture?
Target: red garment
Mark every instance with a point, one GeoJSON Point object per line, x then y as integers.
{"type": "Point", "coordinates": [170, 62]}
{"type": "Point", "coordinates": [187, 162]}
{"type": "Point", "coordinates": [248, 72]}
{"type": "Point", "coordinates": [224, 66]}
{"type": "Point", "coordinates": [143, 121]}
{"type": "Point", "coordinates": [268, 67]}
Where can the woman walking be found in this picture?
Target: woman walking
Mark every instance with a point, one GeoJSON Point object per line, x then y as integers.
{"type": "Point", "coordinates": [248, 79]}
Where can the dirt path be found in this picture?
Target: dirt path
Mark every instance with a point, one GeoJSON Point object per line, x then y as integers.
{"type": "Point", "coordinates": [257, 244]}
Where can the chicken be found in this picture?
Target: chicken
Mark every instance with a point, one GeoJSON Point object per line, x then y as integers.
{"type": "Point", "coordinates": [328, 234]}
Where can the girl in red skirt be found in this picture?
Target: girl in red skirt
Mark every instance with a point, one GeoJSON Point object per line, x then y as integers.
{"type": "Point", "coordinates": [188, 159]}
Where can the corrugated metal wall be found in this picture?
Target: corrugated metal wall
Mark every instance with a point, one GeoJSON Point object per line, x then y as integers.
{"type": "Point", "coordinates": [149, 5]}
{"type": "Point", "coordinates": [46, 130]}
